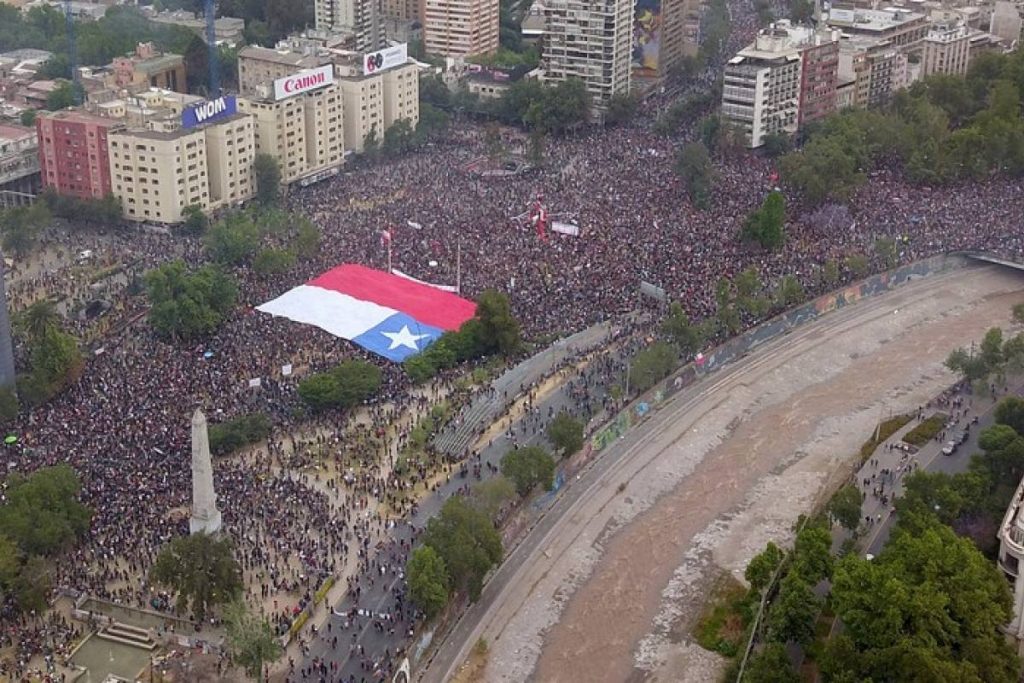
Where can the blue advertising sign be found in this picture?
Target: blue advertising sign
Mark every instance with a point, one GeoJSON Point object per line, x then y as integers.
{"type": "Point", "coordinates": [209, 111]}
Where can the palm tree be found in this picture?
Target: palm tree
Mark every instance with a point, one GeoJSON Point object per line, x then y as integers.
{"type": "Point", "coordinates": [39, 318]}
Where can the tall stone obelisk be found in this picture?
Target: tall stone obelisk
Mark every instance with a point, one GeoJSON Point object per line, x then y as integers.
{"type": "Point", "coordinates": [7, 376]}
{"type": "Point", "coordinates": [205, 515]}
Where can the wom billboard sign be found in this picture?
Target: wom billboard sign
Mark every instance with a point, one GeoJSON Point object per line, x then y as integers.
{"type": "Point", "coordinates": [385, 59]}
{"type": "Point", "coordinates": [208, 111]}
{"type": "Point", "coordinates": [304, 81]}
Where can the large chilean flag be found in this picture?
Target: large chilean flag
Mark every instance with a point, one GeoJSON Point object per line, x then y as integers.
{"type": "Point", "coordinates": [389, 315]}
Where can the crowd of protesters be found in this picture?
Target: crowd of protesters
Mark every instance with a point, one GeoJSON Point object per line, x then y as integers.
{"type": "Point", "coordinates": [124, 425]}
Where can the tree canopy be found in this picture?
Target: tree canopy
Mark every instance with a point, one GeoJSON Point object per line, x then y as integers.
{"type": "Point", "coordinates": [202, 569]}
{"type": "Point", "coordinates": [250, 639]}
{"type": "Point", "coordinates": [345, 386]}
{"type": "Point", "coordinates": [527, 467]}
{"type": "Point", "coordinates": [565, 433]}
{"type": "Point", "coordinates": [42, 513]}
{"type": "Point", "coordinates": [766, 225]}
{"type": "Point", "coordinates": [428, 580]}
{"type": "Point", "coordinates": [187, 304]}
{"type": "Point", "coordinates": [467, 542]}
{"type": "Point", "coordinates": [929, 607]}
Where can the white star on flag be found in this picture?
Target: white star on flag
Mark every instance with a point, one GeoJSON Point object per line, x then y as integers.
{"type": "Point", "coordinates": [404, 338]}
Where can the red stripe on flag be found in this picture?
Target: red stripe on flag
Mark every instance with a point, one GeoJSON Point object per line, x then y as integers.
{"type": "Point", "coordinates": [426, 304]}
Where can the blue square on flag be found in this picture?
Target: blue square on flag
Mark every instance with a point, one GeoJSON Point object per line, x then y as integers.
{"type": "Point", "coordinates": [398, 337]}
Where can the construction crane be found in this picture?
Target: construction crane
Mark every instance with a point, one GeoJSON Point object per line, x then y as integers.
{"type": "Point", "coordinates": [211, 46]}
{"type": "Point", "coordinates": [69, 21]}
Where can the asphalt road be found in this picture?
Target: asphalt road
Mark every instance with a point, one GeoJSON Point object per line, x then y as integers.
{"type": "Point", "coordinates": [931, 459]}
{"type": "Point", "coordinates": [378, 645]}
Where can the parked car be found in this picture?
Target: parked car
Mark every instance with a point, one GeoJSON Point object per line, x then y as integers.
{"type": "Point", "coordinates": [949, 448]}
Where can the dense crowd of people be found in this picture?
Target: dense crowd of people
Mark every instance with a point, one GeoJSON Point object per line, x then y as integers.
{"type": "Point", "coordinates": [124, 425]}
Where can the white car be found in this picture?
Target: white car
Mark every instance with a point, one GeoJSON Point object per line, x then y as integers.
{"type": "Point", "coordinates": [949, 448]}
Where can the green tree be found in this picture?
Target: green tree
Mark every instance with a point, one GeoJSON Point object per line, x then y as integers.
{"type": "Point", "coordinates": [621, 108]}
{"type": "Point", "coordinates": [794, 612]}
{"type": "Point", "coordinates": [9, 405]}
{"type": "Point", "coordinates": [428, 580]}
{"type": "Point", "coordinates": [762, 566]}
{"type": "Point", "coordinates": [812, 553]}
{"type": "Point", "coordinates": [771, 665]}
{"type": "Point", "coordinates": [929, 607]}
{"type": "Point", "coordinates": [28, 118]}
{"type": "Point", "coordinates": [651, 365]}
{"type": "Point", "coordinates": [240, 431]}
{"type": "Point", "coordinates": [971, 367]}
{"type": "Point", "coordinates": [233, 240]}
{"type": "Point", "coordinates": [489, 496]}
{"type": "Point", "coordinates": [694, 168]}
{"type": "Point", "coordinates": [250, 639]}
{"type": "Point", "coordinates": [468, 543]}
{"type": "Point", "coordinates": [61, 97]}
{"type": "Point", "coordinates": [202, 569]}
{"type": "Point", "coordinates": [188, 305]}
{"type": "Point", "coordinates": [687, 337]}
{"type": "Point", "coordinates": [766, 225]}
{"type": "Point", "coordinates": [21, 227]}
{"type": "Point", "coordinates": [789, 291]}
{"type": "Point", "coordinates": [371, 143]}
{"type": "Point", "coordinates": [776, 144]}
{"type": "Point", "coordinates": [42, 513]}
{"type": "Point", "coordinates": [56, 360]}
{"type": "Point", "coordinates": [527, 467]}
{"type": "Point", "coordinates": [1010, 412]}
{"type": "Point", "coordinates": [31, 587]}
{"type": "Point", "coordinates": [886, 251]}
{"type": "Point", "coordinates": [267, 174]}
{"type": "Point", "coordinates": [273, 262]}
{"type": "Point", "coordinates": [344, 386]}
{"type": "Point", "coordinates": [566, 434]}
{"type": "Point", "coordinates": [845, 507]}
{"type": "Point", "coordinates": [39, 318]}
{"type": "Point", "coordinates": [10, 561]}
{"type": "Point", "coordinates": [498, 329]}
{"type": "Point", "coordinates": [195, 222]}
{"type": "Point", "coordinates": [992, 349]}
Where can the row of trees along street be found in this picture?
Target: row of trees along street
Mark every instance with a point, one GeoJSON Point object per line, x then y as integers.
{"type": "Point", "coordinates": [932, 604]}
{"type": "Point", "coordinates": [462, 543]}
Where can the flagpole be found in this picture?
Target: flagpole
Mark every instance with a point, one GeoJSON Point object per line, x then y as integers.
{"type": "Point", "coordinates": [458, 265]}
{"type": "Point", "coordinates": [390, 237]}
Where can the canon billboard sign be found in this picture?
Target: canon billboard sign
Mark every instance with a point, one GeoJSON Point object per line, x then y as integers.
{"type": "Point", "coordinates": [304, 81]}
{"type": "Point", "coordinates": [385, 59]}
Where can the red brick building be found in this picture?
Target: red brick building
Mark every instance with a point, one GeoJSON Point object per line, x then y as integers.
{"type": "Point", "coordinates": [73, 157]}
{"type": "Point", "coordinates": [819, 75]}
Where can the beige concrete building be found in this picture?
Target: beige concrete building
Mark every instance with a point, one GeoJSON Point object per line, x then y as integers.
{"type": "Point", "coordinates": [877, 68]}
{"type": "Point", "coordinates": [305, 133]}
{"type": "Point", "coordinates": [156, 174]}
{"type": "Point", "coordinates": [592, 41]}
{"type": "Point", "coordinates": [258, 66]}
{"type": "Point", "coordinates": [374, 102]}
{"type": "Point", "coordinates": [453, 28]}
{"type": "Point", "coordinates": [902, 28]}
{"type": "Point", "coordinates": [159, 170]}
{"type": "Point", "coordinates": [946, 51]}
{"type": "Point", "coordinates": [362, 19]}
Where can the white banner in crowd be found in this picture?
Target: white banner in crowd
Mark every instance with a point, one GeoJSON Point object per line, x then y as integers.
{"type": "Point", "coordinates": [254, 382]}
{"type": "Point", "coordinates": [443, 288]}
{"type": "Point", "coordinates": [286, 370]}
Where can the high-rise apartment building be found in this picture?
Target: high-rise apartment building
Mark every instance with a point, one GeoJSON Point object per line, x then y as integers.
{"type": "Point", "coordinates": [73, 152]}
{"type": "Point", "coordinates": [454, 28]}
{"type": "Point", "coordinates": [946, 50]}
{"type": "Point", "coordinates": [877, 68]}
{"type": "Point", "coordinates": [680, 33]}
{"type": "Point", "coordinates": [786, 78]}
{"type": "Point", "coordinates": [819, 73]}
{"type": "Point", "coordinates": [363, 19]}
{"type": "Point", "coordinates": [901, 27]}
{"type": "Point", "coordinates": [591, 40]}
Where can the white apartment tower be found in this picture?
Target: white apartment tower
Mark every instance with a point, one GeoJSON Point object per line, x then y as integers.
{"type": "Point", "coordinates": [761, 89]}
{"type": "Point", "coordinates": [361, 18]}
{"type": "Point", "coordinates": [591, 40]}
{"type": "Point", "coordinates": [946, 51]}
